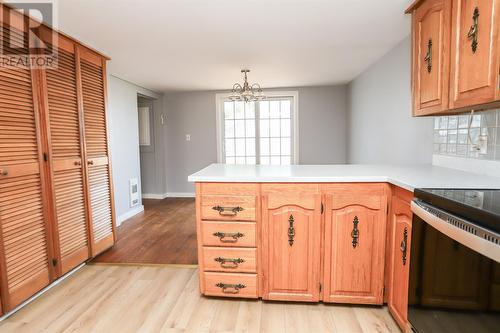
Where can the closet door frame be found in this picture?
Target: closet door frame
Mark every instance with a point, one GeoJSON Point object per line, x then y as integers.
{"type": "Point", "coordinates": [90, 56]}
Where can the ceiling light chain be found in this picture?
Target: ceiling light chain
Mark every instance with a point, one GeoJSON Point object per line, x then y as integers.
{"type": "Point", "coordinates": [247, 92]}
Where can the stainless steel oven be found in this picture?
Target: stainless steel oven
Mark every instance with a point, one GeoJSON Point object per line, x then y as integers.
{"type": "Point", "coordinates": [455, 261]}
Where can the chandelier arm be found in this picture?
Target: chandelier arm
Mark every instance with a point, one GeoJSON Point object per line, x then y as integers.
{"type": "Point", "coordinates": [237, 88]}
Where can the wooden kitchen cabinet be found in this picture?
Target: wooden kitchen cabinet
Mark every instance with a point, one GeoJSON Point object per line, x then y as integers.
{"type": "Point", "coordinates": [355, 226]}
{"type": "Point", "coordinates": [291, 229]}
{"type": "Point", "coordinates": [455, 55]}
{"type": "Point", "coordinates": [400, 222]}
{"type": "Point", "coordinates": [475, 53]}
{"type": "Point", "coordinates": [431, 61]}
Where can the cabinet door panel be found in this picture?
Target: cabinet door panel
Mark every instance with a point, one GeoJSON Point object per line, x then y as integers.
{"type": "Point", "coordinates": [292, 248]}
{"type": "Point", "coordinates": [24, 239]}
{"type": "Point", "coordinates": [475, 71]}
{"type": "Point", "coordinates": [431, 33]}
{"type": "Point", "coordinates": [400, 261]}
{"type": "Point", "coordinates": [67, 169]}
{"type": "Point", "coordinates": [354, 252]}
{"type": "Point", "coordinates": [97, 152]}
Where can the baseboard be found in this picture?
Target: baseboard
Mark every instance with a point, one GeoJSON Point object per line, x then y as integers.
{"type": "Point", "coordinates": [154, 196]}
{"type": "Point", "coordinates": [180, 195]}
{"type": "Point", "coordinates": [136, 210]}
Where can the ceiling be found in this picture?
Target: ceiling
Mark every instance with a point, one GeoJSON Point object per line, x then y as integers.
{"type": "Point", "coordinates": [168, 45]}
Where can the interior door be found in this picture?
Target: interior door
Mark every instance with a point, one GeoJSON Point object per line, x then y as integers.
{"type": "Point", "coordinates": [431, 62]}
{"type": "Point", "coordinates": [98, 166]}
{"type": "Point", "coordinates": [354, 247]}
{"type": "Point", "coordinates": [401, 218]}
{"type": "Point", "coordinates": [291, 246]}
{"type": "Point", "coordinates": [66, 155]}
{"type": "Point", "coordinates": [24, 236]}
{"type": "Point", "coordinates": [475, 52]}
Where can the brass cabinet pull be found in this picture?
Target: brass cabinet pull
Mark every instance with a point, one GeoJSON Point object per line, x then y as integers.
{"type": "Point", "coordinates": [230, 288]}
{"type": "Point", "coordinates": [231, 237]}
{"type": "Point", "coordinates": [355, 232]}
{"type": "Point", "coordinates": [228, 211]}
{"type": "Point", "coordinates": [403, 245]}
{"type": "Point", "coordinates": [4, 172]}
{"type": "Point", "coordinates": [291, 230]}
{"type": "Point", "coordinates": [90, 162]}
{"type": "Point", "coordinates": [474, 30]}
{"type": "Point", "coordinates": [233, 262]}
{"type": "Point", "coordinates": [428, 56]}
{"type": "Point", "coordinates": [78, 163]}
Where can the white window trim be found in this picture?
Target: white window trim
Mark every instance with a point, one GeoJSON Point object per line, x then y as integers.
{"type": "Point", "coordinates": [294, 94]}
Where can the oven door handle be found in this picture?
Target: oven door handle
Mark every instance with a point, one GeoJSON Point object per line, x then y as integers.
{"type": "Point", "coordinates": [472, 241]}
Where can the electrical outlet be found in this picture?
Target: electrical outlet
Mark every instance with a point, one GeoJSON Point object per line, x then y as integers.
{"type": "Point", "coordinates": [188, 137]}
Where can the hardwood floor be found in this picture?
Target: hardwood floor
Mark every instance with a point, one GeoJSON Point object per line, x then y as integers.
{"type": "Point", "coordinates": [164, 234]}
{"type": "Point", "coordinates": [108, 298]}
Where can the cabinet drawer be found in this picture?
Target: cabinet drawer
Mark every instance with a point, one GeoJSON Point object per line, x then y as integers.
{"type": "Point", "coordinates": [226, 259]}
{"type": "Point", "coordinates": [230, 284]}
{"type": "Point", "coordinates": [230, 207]}
{"type": "Point", "coordinates": [240, 234]}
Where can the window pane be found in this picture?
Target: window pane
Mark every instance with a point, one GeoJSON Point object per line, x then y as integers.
{"type": "Point", "coordinates": [240, 160]}
{"type": "Point", "coordinates": [285, 160]}
{"type": "Point", "coordinates": [275, 128]}
{"type": "Point", "coordinates": [275, 146]}
{"type": "Point", "coordinates": [285, 146]}
{"type": "Point", "coordinates": [229, 128]}
{"type": "Point", "coordinates": [286, 127]}
{"type": "Point", "coordinates": [275, 160]}
{"type": "Point", "coordinates": [239, 128]}
{"type": "Point", "coordinates": [250, 128]}
{"type": "Point", "coordinates": [230, 160]}
{"type": "Point", "coordinates": [229, 110]}
{"type": "Point", "coordinates": [229, 148]}
{"type": "Point", "coordinates": [239, 110]}
{"type": "Point", "coordinates": [264, 146]}
{"type": "Point", "coordinates": [285, 109]}
{"type": "Point", "coordinates": [274, 109]}
{"type": "Point", "coordinates": [250, 147]}
{"type": "Point", "coordinates": [264, 128]}
{"type": "Point", "coordinates": [264, 160]}
{"type": "Point", "coordinates": [250, 110]}
{"type": "Point", "coordinates": [264, 109]}
{"type": "Point", "coordinates": [251, 160]}
{"type": "Point", "coordinates": [240, 147]}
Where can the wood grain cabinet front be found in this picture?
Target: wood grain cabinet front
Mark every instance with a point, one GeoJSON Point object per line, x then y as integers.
{"type": "Point", "coordinates": [355, 226]}
{"type": "Point", "coordinates": [230, 284]}
{"type": "Point", "coordinates": [224, 259]}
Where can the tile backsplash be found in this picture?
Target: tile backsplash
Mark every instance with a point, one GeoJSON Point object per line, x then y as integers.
{"type": "Point", "coordinates": [460, 135]}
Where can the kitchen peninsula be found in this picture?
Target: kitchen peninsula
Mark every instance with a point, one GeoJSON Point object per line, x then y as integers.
{"type": "Point", "coordinates": [332, 233]}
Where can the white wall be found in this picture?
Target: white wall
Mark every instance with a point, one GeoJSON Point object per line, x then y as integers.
{"type": "Point", "coordinates": [124, 141]}
{"type": "Point", "coordinates": [322, 131]}
{"type": "Point", "coordinates": [381, 128]}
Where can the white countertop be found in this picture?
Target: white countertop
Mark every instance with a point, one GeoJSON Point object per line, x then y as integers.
{"type": "Point", "coordinates": [407, 176]}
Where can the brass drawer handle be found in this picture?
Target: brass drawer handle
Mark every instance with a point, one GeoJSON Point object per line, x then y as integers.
{"type": "Point", "coordinates": [90, 162]}
{"type": "Point", "coordinates": [232, 237]}
{"type": "Point", "coordinates": [78, 163]}
{"type": "Point", "coordinates": [355, 232]}
{"type": "Point", "coordinates": [4, 172]}
{"type": "Point", "coordinates": [233, 262]}
{"type": "Point", "coordinates": [403, 245]}
{"type": "Point", "coordinates": [228, 211]}
{"type": "Point", "coordinates": [474, 30]}
{"type": "Point", "coordinates": [230, 288]}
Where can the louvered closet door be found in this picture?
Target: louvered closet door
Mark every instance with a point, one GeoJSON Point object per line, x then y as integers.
{"type": "Point", "coordinates": [66, 157]}
{"type": "Point", "coordinates": [97, 152]}
{"type": "Point", "coordinates": [23, 244]}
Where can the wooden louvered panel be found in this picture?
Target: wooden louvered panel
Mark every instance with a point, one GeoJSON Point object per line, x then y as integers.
{"type": "Point", "coordinates": [96, 144]}
{"type": "Point", "coordinates": [65, 144]}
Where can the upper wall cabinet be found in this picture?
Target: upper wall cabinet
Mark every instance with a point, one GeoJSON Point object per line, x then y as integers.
{"type": "Point", "coordinates": [431, 62]}
{"type": "Point", "coordinates": [455, 55]}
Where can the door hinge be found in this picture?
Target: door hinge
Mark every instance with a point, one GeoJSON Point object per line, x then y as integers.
{"type": "Point", "coordinates": [322, 208]}
{"type": "Point", "coordinates": [45, 157]}
{"type": "Point", "coordinates": [320, 287]}
{"type": "Point", "coordinates": [54, 262]}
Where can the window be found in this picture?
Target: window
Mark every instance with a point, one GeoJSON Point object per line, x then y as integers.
{"type": "Point", "coordinates": [263, 132]}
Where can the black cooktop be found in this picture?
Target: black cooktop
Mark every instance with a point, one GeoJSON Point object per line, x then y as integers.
{"type": "Point", "coordinates": [478, 206]}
